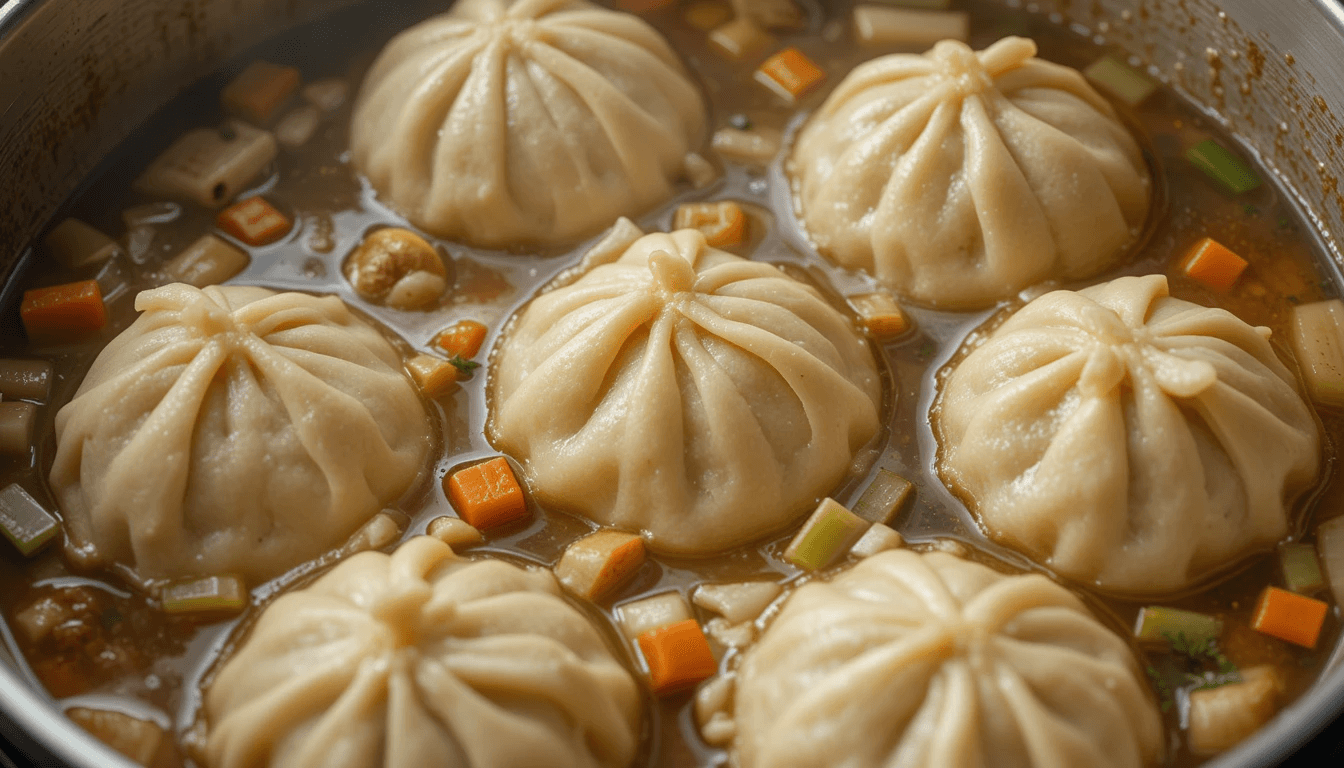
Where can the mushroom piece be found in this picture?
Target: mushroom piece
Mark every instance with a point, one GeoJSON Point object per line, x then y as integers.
{"type": "Point", "coordinates": [398, 268]}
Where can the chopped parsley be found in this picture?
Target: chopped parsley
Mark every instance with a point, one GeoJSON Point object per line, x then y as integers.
{"type": "Point", "coordinates": [1193, 666]}
{"type": "Point", "coordinates": [464, 366]}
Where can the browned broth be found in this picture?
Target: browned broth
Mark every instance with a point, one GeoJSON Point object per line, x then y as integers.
{"type": "Point", "coordinates": [126, 655]}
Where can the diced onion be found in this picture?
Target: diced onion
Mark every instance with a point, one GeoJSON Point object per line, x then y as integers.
{"type": "Point", "coordinates": [650, 613]}
{"type": "Point", "coordinates": [738, 602]}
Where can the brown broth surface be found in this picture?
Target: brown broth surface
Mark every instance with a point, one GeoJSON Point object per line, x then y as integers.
{"type": "Point", "coordinates": [156, 663]}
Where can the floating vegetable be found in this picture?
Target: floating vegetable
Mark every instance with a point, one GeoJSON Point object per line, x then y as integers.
{"type": "Point", "coordinates": [1301, 570]}
{"type": "Point", "coordinates": [212, 594]}
{"type": "Point", "coordinates": [1317, 336]}
{"type": "Point", "coordinates": [597, 565]}
{"type": "Point", "coordinates": [1289, 616]}
{"type": "Point", "coordinates": [1162, 624]}
{"type": "Point", "coordinates": [1212, 264]}
{"type": "Point", "coordinates": [63, 313]}
{"type": "Point", "coordinates": [487, 495]}
{"type": "Point", "coordinates": [825, 537]}
{"type": "Point", "coordinates": [208, 261]}
{"type": "Point", "coordinates": [790, 73]}
{"type": "Point", "coordinates": [26, 523]}
{"type": "Point", "coordinates": [1224, 167]}
{"type": "Point", "coordinates": [678, 657]}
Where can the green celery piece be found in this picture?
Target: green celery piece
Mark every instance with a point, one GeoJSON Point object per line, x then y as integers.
{"type": "Point", "coordinates": [24, 522]}
{"type": "Point", "coordinates": [212, 594]}
{"type": "Point", "coordinates": [884, 497]}
{"type": "Point", "coordinates": [1301, 570]}
{"type": "Point", "coordinates": [1159, 623]}
{"type": "Point", "coordinates": [825, 537]}
{"type": "Point", "coordinates": [1121, 80]}
{"type": "Point", "coordinates": [1224, 167]}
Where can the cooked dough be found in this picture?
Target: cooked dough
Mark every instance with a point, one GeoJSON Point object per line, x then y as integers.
{"type": "Point", "coordinates": [930, 660]}
{"type": "Point", "coordinates": [532, 122]}
{"type": "Point", "coordinates": [685, 392]}
{"type": "Point", "coordinates": [421, 659]}
{"type": "Point", "coordinates": [1127, 439]}
{"type": "Point", "coordinates": [959, 178]}
{"type": "Point", "coordinates": [234, 430]}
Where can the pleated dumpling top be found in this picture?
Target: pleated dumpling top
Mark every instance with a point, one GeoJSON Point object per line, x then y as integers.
{"type": "Point", "coordinates": [959, 177]}
{"type": "Point", "coordinates": [686, 393]}
{"type": "Point", "coordinates": [931, 661]}
{"type": "Point", "coordinates": [421, 658]}
{"type": "Point", "coordinates": [530, 122]}
{"type": "Point", "coordinates": [234, 430]}
{"type": "Point", "coordinates": [1127, 439]}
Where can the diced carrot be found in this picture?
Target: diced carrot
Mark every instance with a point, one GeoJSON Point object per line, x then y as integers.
{"type": "Point", "coordinates": [1212, 264]}
{"type": "Point", "coordinates": [487, 495]}
{"type": "Point", "coordinates": [724, 224]}
{"type": "Point", "coordinates": [678, 657]}
{"type": "Point", "coordinates": [1289, 616]}
{"type": "Point", "coordinates": [63, 312]}
{"type": "Point", "coordinates": [254, 221]}
{"type": "Point", "coordinates": [259, 91]}
{"type": "Point", "coordinates": [790, 74]}
{"type": "Point", "coordinates": [880, 315]}
{"type": "Point", "coordinates": [463, 339]}
{"type": "Point", "coordinates": [596, 565]}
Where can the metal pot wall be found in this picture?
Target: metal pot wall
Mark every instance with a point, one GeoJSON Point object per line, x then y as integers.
{"type": "Point", "coordinates": [77, 76]}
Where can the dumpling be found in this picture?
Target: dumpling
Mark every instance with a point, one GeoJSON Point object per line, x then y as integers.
{"type": "Point", "coordinates": [234, 430]}
{"type": "Point", "coordinates": [535, 122]}
{"type": "Point", "coordinates": [959, 177]}
{"type": "Point", "coordinates": [685, 392]}
{"type": "Point", "coordinates": [421, 658]}
{"type": "Point", "coordinates": [1127, 439]}
{"type": "Point", "coordinates": [915, 660]}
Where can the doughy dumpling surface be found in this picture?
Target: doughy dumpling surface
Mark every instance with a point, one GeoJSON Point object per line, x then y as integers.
{"type": "Point", "coordinates": [418, 659]}
{"type": "Point", "coordinates": [234, 430]}
{"type": "Point", "coordinates": [959, 177]}
{"type": "Point", "coordinates": [929, 660]}
{"type": "Point", "coordinates": [685, 392]}
{"type": "Point", "coordinates": [531, 122]}
{"type": "Point", "coordinates": [1127, 439]}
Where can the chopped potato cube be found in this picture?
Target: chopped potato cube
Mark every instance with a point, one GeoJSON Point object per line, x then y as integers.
{"type": "Point", "coordinates": [209, 166]}
{"type": "Point", "coordinates": [76, 244]}
{"type": "Point", "coordinates": [740, 39]}
{"type": "Point", "coordinates": [790, 73]}
{"type": "Point", "coordinates": [260, 90]}
{"type": "Point", "coordinates": [650, 613]}
{"type": "Point", "coordinates": [599, 564]}
{"type": "Point", "coordinates": [880, 315]}
{"type": "Point", "coordinates": [208, 261]}
{"type": "Point", "coordinates": [883, 26]}
{"type": "Point", "coordinates": [434, 376]}
{"type": "Point", "coordinates": [724, 224]}
{"type": "Point", "coordinates": [254, 221]}
{"type": "Point", "coordinates": [1220, 718]}
{"type": "Point", "coordinates": [1317, 336]}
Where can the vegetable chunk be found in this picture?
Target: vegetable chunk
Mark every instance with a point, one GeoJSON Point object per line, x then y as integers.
{"type": "Point", "coordinates": [63, 313]}
{"type": "Point", "coordinates": [597, 565]}
{"type": "Point", "coordinates": [1317, 336]}
{"type": "Point", "coordinates": [487, 495]}
{"type": "Point", "coordinates": [790, 73]}
{"type": "Point", "coordinates": [678, 657]}
{"type": "Point", "coordinates": [1212, 264]}
{"type": "Point", "coordinates": [825, 537]}
{"type": "Point", "coordinates": [1288, 616]}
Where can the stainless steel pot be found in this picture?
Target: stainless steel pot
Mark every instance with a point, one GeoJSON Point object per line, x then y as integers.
{"type": "Point", "coordinates": [77, 76]}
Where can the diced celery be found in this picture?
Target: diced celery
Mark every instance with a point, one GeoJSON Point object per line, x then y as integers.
{"type": "Point", "coordinates": [884, 497]}
{"type": "Point", "coordinates": [1121, 80]}
{"type": "Point", "coordinates": [636, 618]}
{"type": "Point", "coordinates": [1317, 336]}
{"type": "Point", "coordinates": [212, 594]}
{"type": "Point", "coordinates": [1159, 623]}
{"type": "Point", "coordinates": [1301, 569]}
{"type": "Point", "coordinates": [1330, 546]}
{"type": "Point", "coordinates": [825, 537]}
{"type": "Point", "coordinates": [25, 523]}
{"type": "Point", "coordinates": [1224, 167]}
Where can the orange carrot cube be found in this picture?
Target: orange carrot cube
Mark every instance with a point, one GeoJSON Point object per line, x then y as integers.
{"type": "Point", "coordinates": [1212, 264]}
{"type": "Point", "coordinates": [254, 221]}
{"type": "Point", "coordinates": [66, 312]}
{"type": "Point", "coordinates": [678, 657]}
{"type": "Point", "coordinates": [724, 224]}
{"type": "Point", "coordinates": [1289, 616]}
{"type": "Point", "coordinates": [790, 74]}
{"type": "Point", "coordinates": [880, 315]}
{"type": "Point", "coordinates": [487, 495]}
{"type": "Point", "coordinates": [463, 339]}
{"type": "Point", "coordinates": [259, 91]}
